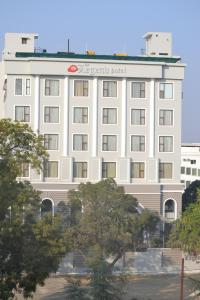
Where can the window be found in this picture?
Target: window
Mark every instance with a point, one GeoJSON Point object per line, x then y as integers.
{"type": "Point", "coordinates": [188, 171]}
{"type": "Point", "coordinates": [51, 169]}
{"type": "Point", "coordinates": [46, 207]}
{"type": "Point", "coordinates": [137, 170]}
{"type": "Point", "coordinates": [80, 142]}
{"type": "Point", "coordinates": [51, 141]}
{"type": "Point", "coordinates": [108, 170]}
{"type": "Point", "coordinates": [18, 86]}
{"type": "Point", "coordinates": [24, 41]}
{"type": "Point", "coordinates": [28, 87]}
{"type": "Point", "coordinates": [137, 116]}
{"type": "Point", "coordinates": [194, 172]}
{"type": "Point", "coordinates": [109, 115]}
{"type": "Point", "coordinates": [22, 113]}
{"type": "Point", "coordinates": [199, 172]}
{"type": "Point", "coordinates": [165, 170]}
{"type": "Point", "coordinates": [187, 183]}
{"type": "Point", "coordinates": [109, 88]}
{"type": "Point", "coordinates": [109, 142]}
{"type": "Point", "coordinates": [51, 114]}
{"type": "Point", "coordinates": [169, 206]}
{"type": "Point", "coordinates": [25, 169]}
{"type": "Point", "coordinates": [165, 144]}
{"type": "Point", "coordinates": [137, 143]}
{"type": "Point", "coordinates": [51, 87]}
{"type": "Point", "coordinates": [182, 170]}
{"type": "Point", "coordinates": [138, 89]}
{"type": "Point", "coordinates": [193, 161]}
{"type": "Point", "coordinates": [166, 117]}
{"type": "Point", "coordinates": [81, 88]}
{"type": "Point", "coordinates": [80, 169]}
{"type": "Point", "coordinates": [80, 115]}
{"type": "Point", "coordinates": [169, 209]}
{"type": "Point", "coordinates": [166, 90]}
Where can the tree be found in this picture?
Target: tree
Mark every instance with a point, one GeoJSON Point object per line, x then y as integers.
{"type": "Point", "coordinates": [76, 291]}
{"type": "Point", "coordinates": [190, 194]}
{"type": "Point", "coordinates": [186, 231]}
{"type": "Point", "coordinates": [30, 247]}
{"type": "Point", "coordinates": [105, 286]}
{"type": "Point", "coordinates": [105, 223]}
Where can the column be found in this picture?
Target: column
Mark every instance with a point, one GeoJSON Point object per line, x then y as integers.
{"type": "Point", "coordinates": [94, 117]}
{"type": "Point", "coordinates": [152, 119]}
{"type": "Point", "coordinates": [37, 104]}
{"type": "Point", "coordinates": [123, 118]}
{"type": "Point", "coordinates": [66, 118]}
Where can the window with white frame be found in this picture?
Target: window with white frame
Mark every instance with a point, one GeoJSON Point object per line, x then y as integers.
{"type": "Point", "coordinates": [109, 115]}
{"type": "Point", "coordinates": [50, 168]}
{"type": "Point", "coordinates": [137, 170]}
{"type": "Point", "coordinates": [80, 142]}
{"type": "Point", "coordinates": [182, 170]}
{"type": "Point", "coordinates": [109, 88]}
{"type": "Point", "coordinates": [109, 142]}
{"type": "Point", "coordinates": [138, 89]}
{"type": "Point", "coordinates": [188, 171]}
{"type": "Point", "coordinates": [165, 143]}
{"type": "Point", "coordinates": [22, 113]}
{"type": "Point", "coordinates": [137, 143]}
{"type": "Point", "coordinates": [25, 169]}
{"type": "Point", "coordinates": [80, 115]}
{"type": "Point", "coordinates": [51, 87]}
{"type": "Point", "coordinates": [18, 87]}
{"type": "Point", "coordinates": [194, 172]}
{"type": "Point", "coordinates": [51, 141]}
{"type": "Point", "coordinates": [165, 170]}
{"type": "Point", "coordinates": [166, 90]}
{"type": "Point", "coordinates": [28, 87]}
{"type": "Point", "coordinates": [108, 170]}
{"type": "Point", "coordinates": [81, 88]}
{"type": "Point", "coordinates": [80, 169]}
{"type": "Point", "coordinates": [137, 116]}
{"type": "Point", "coordinates": [51, 114]}
{"type": "Point", "coordinates": [169, 209]}
{"type": "Point", "coordinates": [165, 117]}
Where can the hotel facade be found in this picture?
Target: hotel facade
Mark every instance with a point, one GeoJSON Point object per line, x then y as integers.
{"type": "Point", "coordinates": [101, 116]}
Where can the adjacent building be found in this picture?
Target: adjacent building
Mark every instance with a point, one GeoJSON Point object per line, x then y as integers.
{"type": "Point", "coordinates": [101, 116]}
{"type": "Point", "coordinates": [190, 163]}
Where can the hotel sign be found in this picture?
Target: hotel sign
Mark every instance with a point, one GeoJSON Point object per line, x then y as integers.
{"type": "Point", "coordinates": [95, 70]}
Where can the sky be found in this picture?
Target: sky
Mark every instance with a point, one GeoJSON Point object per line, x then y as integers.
{"type": "Point", "coordinates": [110, 26]}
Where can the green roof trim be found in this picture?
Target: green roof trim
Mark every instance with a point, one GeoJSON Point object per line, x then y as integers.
{"type": "Point", "coordinates": [103, 57]}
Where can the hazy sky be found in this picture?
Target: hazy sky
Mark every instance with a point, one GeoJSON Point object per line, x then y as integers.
{"type": "Point", "coordinates": [109, 26]}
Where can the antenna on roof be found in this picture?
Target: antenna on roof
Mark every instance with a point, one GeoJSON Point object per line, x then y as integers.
{"type": "Point", "coordinates": [68, 45]}
{"type": "Point", "coordinates": [86, 47]}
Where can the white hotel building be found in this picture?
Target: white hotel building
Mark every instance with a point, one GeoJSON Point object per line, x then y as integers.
{"type": "Point", "coordinates": [102, 116]}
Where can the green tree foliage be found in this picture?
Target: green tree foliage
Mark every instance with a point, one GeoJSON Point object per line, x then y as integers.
{"type": "Point", "coordinates": [186, 231]}
{"type": "Point", "coordinates": [77, 291]}
{"type": "Point", "coordinates": [30, 248]}
{"type": "Point", "coordinates": [105, 286]}
{"type": "Point", "coordinates": [105, 223]}
{"type": "Point", "coordinates": [102, 217]}
{"type": "Point", "coordinates": [190, 194]}
{"type": "Point", "coordinates": [18, 143]}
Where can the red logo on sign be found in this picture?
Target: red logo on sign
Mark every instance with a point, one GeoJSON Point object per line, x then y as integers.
{"type": "Point", "coordinates": [72, 68]}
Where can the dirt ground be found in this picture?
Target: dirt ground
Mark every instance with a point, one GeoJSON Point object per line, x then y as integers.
{"type": "Point", "coordinates": [154, 287]}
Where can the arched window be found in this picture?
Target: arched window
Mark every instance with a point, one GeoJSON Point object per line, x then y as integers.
{"type": "Point", "coordinates": [47, 207]}
{"type": "Point", "coordinates": [169, 209]}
